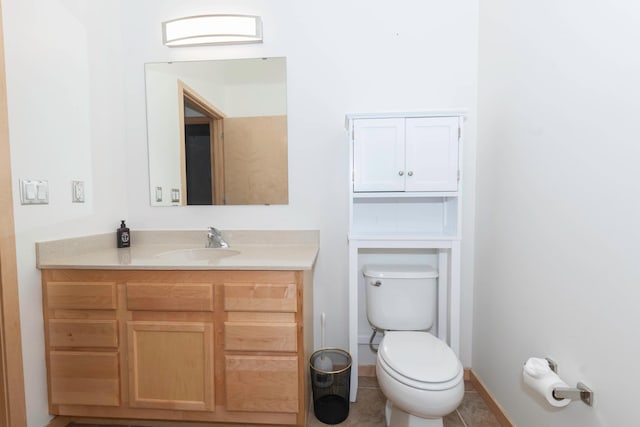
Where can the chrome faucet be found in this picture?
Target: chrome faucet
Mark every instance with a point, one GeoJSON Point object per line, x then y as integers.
{"type": "Point", "coordinates": [215, 240]}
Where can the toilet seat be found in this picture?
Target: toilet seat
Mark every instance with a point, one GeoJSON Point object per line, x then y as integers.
{"type": "Point", "coordinates": [419, 360]}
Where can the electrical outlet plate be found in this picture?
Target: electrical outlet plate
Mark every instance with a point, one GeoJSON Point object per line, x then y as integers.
{"type": "Point", "coordinates": [77, 191]}
{"type": "Point", "coordinates": [34, 192]}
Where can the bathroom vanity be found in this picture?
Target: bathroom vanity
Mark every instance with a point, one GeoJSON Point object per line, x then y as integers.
{"type": "Point", "coordinates": [178, 333]}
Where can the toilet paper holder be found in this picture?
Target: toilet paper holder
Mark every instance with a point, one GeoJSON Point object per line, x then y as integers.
{"type": "Point", "coordinates": [581, 391]}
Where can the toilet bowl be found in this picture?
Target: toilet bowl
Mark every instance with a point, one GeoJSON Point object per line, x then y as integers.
{"type": "Point", "coordinates": [420, 376]}
{"type": "Point", "coordinates": [418, 373]}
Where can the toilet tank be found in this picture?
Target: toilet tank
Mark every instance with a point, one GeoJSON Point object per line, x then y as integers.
{"type": "Point", "coordinates": [401, 297]}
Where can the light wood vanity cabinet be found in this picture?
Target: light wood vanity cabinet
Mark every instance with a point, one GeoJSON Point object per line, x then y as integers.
{"type": "Point", "coordinates": [262, 365]}
{"type": "Point", "coordinates": [208, 346]}
{"type": "Point", "coordinates": [82, 344]}
{"type": "Point", "coordinates": [171, 359]}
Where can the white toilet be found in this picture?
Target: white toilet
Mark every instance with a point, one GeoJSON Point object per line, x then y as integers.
{"type": "Point", "coordinates": [418, 373]}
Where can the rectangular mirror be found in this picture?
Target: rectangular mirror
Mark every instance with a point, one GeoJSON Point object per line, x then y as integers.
{"type": "Point", "coordinates": [217, 132]}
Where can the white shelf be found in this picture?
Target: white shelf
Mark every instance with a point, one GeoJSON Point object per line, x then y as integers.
{"type": "Point", "coordinates": [402, 237]}
{"type": "Point", "coordinates": [403, 195]}
{"type": "Point", "coordinates": [449, 112]}
{"type": "Point", "coordinates": [434, 217]}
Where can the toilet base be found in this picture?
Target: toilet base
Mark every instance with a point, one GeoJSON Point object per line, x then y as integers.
{"type": "Point", "coordinates": [396, 417]}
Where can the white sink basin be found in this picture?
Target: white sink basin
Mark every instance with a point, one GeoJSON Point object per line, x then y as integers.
{"type": "Point", "coordinates": [197, 254]}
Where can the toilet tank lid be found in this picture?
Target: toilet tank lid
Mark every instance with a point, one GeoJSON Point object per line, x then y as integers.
{"type": "Point", "coordinates": [399, 271]}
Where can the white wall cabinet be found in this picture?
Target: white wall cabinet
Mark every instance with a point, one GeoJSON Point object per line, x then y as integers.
{"type": "Point", "coordinates": [405, 154]}
{"type": "Point", "coordinates": [405, 201]}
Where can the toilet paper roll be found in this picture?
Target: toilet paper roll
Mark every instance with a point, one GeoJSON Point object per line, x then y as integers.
{"type": "Point", "coordinates": [543, 381]}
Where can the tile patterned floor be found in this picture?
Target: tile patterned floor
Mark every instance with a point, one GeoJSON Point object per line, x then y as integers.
{"type": "Point", "coordinates": [368, 411]}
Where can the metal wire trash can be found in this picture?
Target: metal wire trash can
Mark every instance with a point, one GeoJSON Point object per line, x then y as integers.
{"type": "Point", "coordinates": [330, 383]}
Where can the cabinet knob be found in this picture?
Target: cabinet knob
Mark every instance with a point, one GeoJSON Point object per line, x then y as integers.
{"type": "Point", "coordinates": [410, 173]}
{"type": "Point", "coordinates": [400, 173]}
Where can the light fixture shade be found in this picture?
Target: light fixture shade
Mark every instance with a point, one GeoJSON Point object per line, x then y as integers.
{"type": "Point", "coordinates": [212, 29]}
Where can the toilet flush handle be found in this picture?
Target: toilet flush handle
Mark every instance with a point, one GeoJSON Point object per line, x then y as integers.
{"type": "Point", "coordinates": [376, 283]}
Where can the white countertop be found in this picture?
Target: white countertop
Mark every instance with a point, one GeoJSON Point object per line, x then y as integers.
{"type": "Point", "coordinates": [174, 250]}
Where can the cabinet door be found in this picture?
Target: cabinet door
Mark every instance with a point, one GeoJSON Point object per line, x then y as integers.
{"type": "Point", "coordinates": [378, 155]}
{"type": "Point", "coordinates": [84, 378]}
{"type": "Point", "coordinates": [432, 154]}
{"type": "Point", "coordinates": [171, 365]}
{"type": "Point", "coordinates": [262, 383]}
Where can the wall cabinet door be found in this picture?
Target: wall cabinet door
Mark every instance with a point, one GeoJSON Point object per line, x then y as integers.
{"type": "Point", "coordinates": [405, 154]}
{"type": "Point", "coordinates": [171, 365]}
{"type": "Point", "coordinates": [431, 154]}
{"type": "Point", "coordinates": [378, 155]}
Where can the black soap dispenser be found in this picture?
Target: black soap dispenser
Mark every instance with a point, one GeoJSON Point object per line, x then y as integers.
{"type": "Point", "coordinates": [124, 237]}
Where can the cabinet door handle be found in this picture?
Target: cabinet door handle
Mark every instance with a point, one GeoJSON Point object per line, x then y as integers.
{"type": "Point", "coordinates": [400, 173]}
{"type": "Point", "coordinates": [410, 173]}
{"type": "Point", "coordinates": [377, 283]}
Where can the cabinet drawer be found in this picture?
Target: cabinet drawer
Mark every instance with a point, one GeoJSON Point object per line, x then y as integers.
{"type": "Point", "coordinates": [262, 383]}
{"type": "Point", "coordinates": [84, 378]}
{"type": "Point", "coordinates": [249, 336]}
{"type": "Point", "coordinates": [170, 296]}
{"type": "Point", "coordinates": [260, 297]}
{"type": "Point", "coordinates": [83, 333]}
{"type": "Point", "coordinates": [82, 295]}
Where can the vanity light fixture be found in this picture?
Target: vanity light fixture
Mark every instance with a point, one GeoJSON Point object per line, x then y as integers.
{"type": "Point", "coordinates": [212, 30]}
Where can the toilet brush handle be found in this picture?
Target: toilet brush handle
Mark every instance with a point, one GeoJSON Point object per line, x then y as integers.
{"type": "Point", "coordinates": [323, 325]}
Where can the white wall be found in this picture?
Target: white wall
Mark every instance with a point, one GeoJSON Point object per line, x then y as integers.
{"type": "Point", "coordinates": [558, 206]}
{"type": "Point", "coordinates": [65, 123]}
{"type": "Point", "coordinates": [77, 67]}
{"type": "Point", "coordinates": [164, 124]}
{"type": "Point", "coordinates": [356, 56]}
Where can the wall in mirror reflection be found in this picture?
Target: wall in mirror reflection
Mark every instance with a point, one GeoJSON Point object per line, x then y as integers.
{"type": "Point", "coordinates": [217, 132]}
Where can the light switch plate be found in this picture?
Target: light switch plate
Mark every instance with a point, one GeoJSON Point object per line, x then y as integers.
{"type": "Point", "coordinates": [175, 195]}
{"type": "Point", "coordinates": [77, 191]}
{"type": "Point", "coordinates": [34, 192]}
